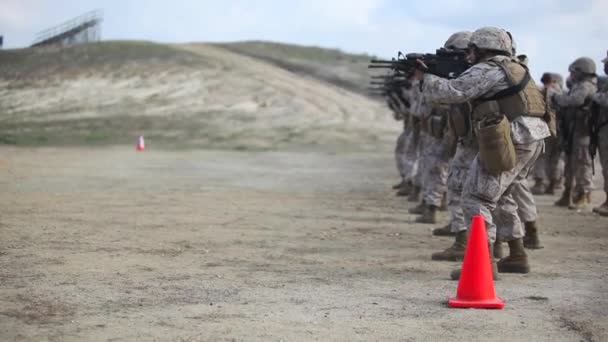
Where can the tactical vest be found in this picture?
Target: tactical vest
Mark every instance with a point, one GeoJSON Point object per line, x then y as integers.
{"type": "Point", "coordinates": [522, 98]}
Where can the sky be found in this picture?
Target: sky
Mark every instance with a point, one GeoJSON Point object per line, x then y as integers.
{"type": "Point", "coordinates": [551, 32]}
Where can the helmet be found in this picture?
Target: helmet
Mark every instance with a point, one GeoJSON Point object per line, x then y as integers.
{"type": "Point", "coordinates": [558, 78]}
{"type": "Point", "coordinates": [584, 65]}
{"type": "Point", "coordinates": [492, 38]}
{"type": "Point", "coordinates": [459, 40]}
{"type": "Point", "coordinates": [605, 60]}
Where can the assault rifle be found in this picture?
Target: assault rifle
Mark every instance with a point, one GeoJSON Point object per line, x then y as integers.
{"type": "Point", "coordinates": [444, 63]}
{"type": "Point", "coordinates": [390, 86]}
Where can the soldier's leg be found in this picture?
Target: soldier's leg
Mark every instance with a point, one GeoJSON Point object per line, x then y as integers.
{"type": "Point", "coordinates": [421, 178]}
{"type": "Point", "coordinates": [603, 152]}
{"type": "Point", "coordinates": [436, 180]}
{"type": "Point", "coordinates": [459, 167]}
{"type": "Point", "coordinates": [583, 174]}
{"type": "Point", "coordinates": [399, 151]}
{"type": "Point", "coordinates": [483, 191]}
{"type": "Point", "coordinates": [555, 165]}
{"type": "Point", "coordinates": [540, 174]}
{"type": "Point", "coordinates": [407, 161]}
{"type": "Point", "coordinates": [528, 214]}
{"type": "Point", "coordinates": [569, 169]}
{"type": "Point", "coordinates": [510, 230]}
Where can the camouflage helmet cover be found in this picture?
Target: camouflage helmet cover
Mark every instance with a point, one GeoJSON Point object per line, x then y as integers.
{"type": "Point", "coordinates": [585, 65]}
{"type": "Point", "coordinates": [558, 78]}
{"type": "Point", "coordinates": [459, 40]}
{"type": "Point", "coordinates": [492, 38]}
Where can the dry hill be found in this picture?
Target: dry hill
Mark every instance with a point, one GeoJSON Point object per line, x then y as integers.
{"type": "Point", "coordinates": [193, 95]}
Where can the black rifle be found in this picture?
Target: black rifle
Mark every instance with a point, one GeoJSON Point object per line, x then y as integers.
{"type": "Point", "coordinates": [444, 63]}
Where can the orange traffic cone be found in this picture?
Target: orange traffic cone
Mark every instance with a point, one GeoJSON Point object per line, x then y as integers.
{"type": "Point", "coordinates": [476, 285]}
{"type": "Point", "coordinates": [141, 145]}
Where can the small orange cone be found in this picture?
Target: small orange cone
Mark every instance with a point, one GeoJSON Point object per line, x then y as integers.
{"type": "Point", "coordinates": [141, 145]}
{"type": "Point", "coordinates": [476, 285]}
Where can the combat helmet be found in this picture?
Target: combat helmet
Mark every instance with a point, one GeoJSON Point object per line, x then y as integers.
{"type": "Point", "coordinates": [492, 38]}
{"type": "Point", "coordinates": [583, 65]}
{"type": "Point", "coordinates": [459, 40]}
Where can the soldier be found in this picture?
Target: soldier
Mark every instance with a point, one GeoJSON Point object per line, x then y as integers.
{"type": "Point", "coordinates": [508, 116]}
{"type": "Point", "coordinates": [549, 165]}
{"type": "Point", "coordinates": [576, 110]}
{"type": "Point", "coordinates": [466, 150]}
{"type": "Point", "coordinates": [601, 98]}
{"type": "Point", "coordinates": [440, 148]}
{"type": "Point", "coordinates": [399, 110]}
{"type": "Point", "coordinates": [411, 153]}
{"type": "Point", "coordinates": [436, 160]}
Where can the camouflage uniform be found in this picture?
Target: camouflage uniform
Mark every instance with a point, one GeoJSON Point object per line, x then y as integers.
{"type": "Point", "coordinates": [550, 164]}
{"type": "Point", "coordinates": [436, 164]}
{"type": "Point", "coordinates": [419, 110]}
{"type": "Point", "coordinates": [466, 150]}
{"type": "Point", "coordinates": [601, 98]}
{"type": "Point", "coordinates": [484, 191]}
{"type": "Point", "coordinates": [578, 163]}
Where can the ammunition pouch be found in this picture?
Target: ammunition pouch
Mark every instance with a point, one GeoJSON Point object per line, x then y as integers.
{"type": "Point", "coordinates": [460, 120]}
{"type": "Point", "coordinates": [496, 149]}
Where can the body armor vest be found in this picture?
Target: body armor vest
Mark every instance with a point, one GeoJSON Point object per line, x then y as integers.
{"type": "Point", "coordinates": [522, 98]}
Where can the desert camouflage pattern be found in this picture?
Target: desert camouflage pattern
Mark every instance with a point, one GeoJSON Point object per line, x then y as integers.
{"type": "Point", "coordinates": [492, 38]}
{"type": "Point", "coordinates": [483, 192]}
{"type": "Point", "coordinates": [550, 164]}
{"type": "Point", "coordinates": [459, 169]}
{"type": "Point", "coordinates": [483, 80]}
{"type": "Point", "coordinates": [583, 64]}
{"type": "Point", "coordinates": [579, 165]}
{"type": "Point", "coordinates": [436, 165]}
{"type": "Point", "coordinates": [459, 40]}
{"type": "Point", "coordinates": [601, 97]}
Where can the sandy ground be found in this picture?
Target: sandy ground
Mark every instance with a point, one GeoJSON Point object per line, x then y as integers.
{"type": "Point", "coordinates": [110, 244]}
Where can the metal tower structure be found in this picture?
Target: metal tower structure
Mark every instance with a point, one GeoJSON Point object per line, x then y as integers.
{"type": "Point", "coordinates": [82, 29]}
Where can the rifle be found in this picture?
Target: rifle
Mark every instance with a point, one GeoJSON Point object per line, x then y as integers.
{"type": "Point", "coordinates": [444, 63]}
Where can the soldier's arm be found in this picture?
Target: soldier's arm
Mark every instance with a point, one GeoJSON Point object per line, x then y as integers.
{"type": "Point", "coordinates": [580, 92]}
{"type": "Point", "coordinates": [472, 84]}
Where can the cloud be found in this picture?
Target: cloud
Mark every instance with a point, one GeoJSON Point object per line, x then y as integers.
{"type": "Point", "coordinates": [551, 32]}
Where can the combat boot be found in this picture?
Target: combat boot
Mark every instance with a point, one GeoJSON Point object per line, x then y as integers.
{"type": "Point", "coordinates": [517, 261]}
{"type": "Point", "coordinates": [415, 194]}
{"type": "Point", "coordinates": [418, 210]}
{"type": "Point", "coordinates": [399, 185]}
{"type": "Point", "coordinates": [455, 274]}
{"type": "Point", "coordinates": [580, 200]}
{"type": "Point", "coordinates": [497, 250]}
{"type": "Point", "coordinates": [602, 210]}
{"type": "Point", "coordinates": [454, 252]}
{"type": "Point", "coordinates": [554, 184]}
{"type": "Point", "coordinates": [405, 190]}
{"type": "Point", "coordinates": [566, 199]}
{"type": "Point", "coordinates": [538, 188]}
{"type": "Point", "coordinates": [444, 231]}
{"type": "Point", "coordinates": [429, 215]}
{"type": "Point", "coordinates": [531, 240]}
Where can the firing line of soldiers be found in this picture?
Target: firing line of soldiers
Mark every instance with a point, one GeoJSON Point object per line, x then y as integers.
{"type": "Point", "coordinates": [476, 125]}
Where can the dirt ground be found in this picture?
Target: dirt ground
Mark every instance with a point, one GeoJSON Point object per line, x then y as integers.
{"type": "Point", "coordinates": [110, 244]}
